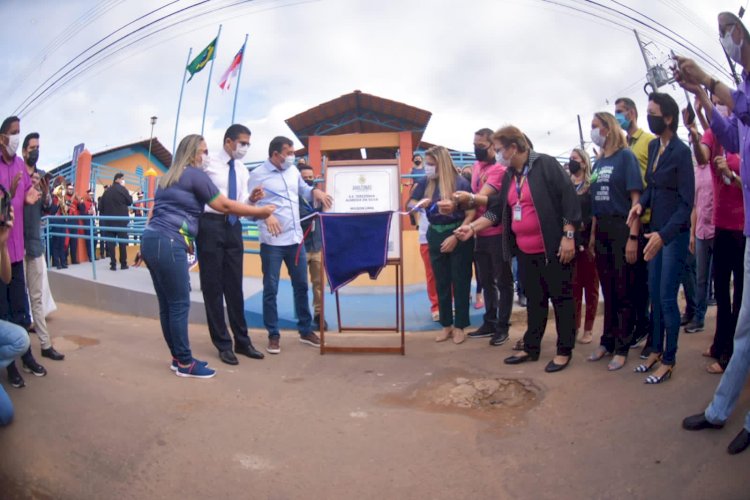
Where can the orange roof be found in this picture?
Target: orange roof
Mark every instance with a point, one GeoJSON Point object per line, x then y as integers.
{"type": "Point", "coordinates": [359, 113]}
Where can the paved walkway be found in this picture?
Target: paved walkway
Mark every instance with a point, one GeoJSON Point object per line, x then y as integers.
{"type": "Point", "coordinates": [112, 421]}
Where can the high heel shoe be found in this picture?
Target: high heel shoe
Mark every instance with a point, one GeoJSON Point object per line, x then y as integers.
{"type": "Point", "coordinates": [647, 367]}
{"type": "Point", "coordinates": [444, 335]}
{"type": "Point", "coordinates": [653, 379]}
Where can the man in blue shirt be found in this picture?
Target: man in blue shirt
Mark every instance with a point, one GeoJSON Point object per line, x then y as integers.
{"type": "Point", "coordinates": [281, 237]}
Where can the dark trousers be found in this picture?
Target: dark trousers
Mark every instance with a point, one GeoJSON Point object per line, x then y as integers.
{"type": "Point", "coordinates": [729, 249]}
{"type": "Point", "coordinates": [58, 251]}
{"type": "Point", "coordinates": [452, 272]}
{"type": "Point", "coordinates": [14, 303]}
{"type": "Point", "coordinates": [616, 277]}
{"type": "Point", "coordinates": [689, 286]}
{"type": "Point", "coordinates": [585, 285]}
{"type": "Point", "coordinates": [220, 254]}
{"type": "Point", "coordinates": [544, 281]}
{"type": "Point", "coordinates": [497, 279]}
{"type": "Point", "coordinates": [640, 293]}
{"type": "Point", "coordinates": [111, 249]}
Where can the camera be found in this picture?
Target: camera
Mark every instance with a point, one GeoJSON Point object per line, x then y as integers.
{"type": "Point", "coordinates": [5, 204]}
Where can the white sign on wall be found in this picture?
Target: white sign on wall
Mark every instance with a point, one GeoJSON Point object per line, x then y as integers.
{"type": "Point", "coordinates": [366, 188]}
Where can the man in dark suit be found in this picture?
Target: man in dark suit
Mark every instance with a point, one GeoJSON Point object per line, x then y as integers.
{"type": "Point", "coordinates": [115, 202]}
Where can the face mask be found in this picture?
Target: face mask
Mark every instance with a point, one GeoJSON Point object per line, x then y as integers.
{"type": "Point", "coordinates": [205, 161]}
{"type": "Point", "coordinates": [288, 162]}
{"type": "Point", "coordinates": [13, 141]}
{"type": "Point", "coordinates": [574, 167]}
{"type": "Point", "coordinates": [417, 162]}
{"type": "Point", "coordinates": [597, 138]}
{"type": "Point", "coordinates": [310, 182]}
{"type": "Point", "coordinates": [624, 122]}
{"type": "Point", "coordinates": [480, 153]}
{"type": "Point", "coordinates": [240, 151]}
{"type": "Point", "coordinates": [430, 171]}
{"type": "Point", "coordinates": [502, 161]}
{"type": "Point", "coordinates": [734, 51]}
{"type": "Point", "coordinates": [656, 124]}
{"type": "Point", "coordinates": [33, 157]}
{"type": "Point", "coordinates": [466, 175]}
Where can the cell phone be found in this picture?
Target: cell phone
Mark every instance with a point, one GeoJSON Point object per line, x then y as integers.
{"type": "Point", "coordinates": [691, 112]}
{"type": "Point", "coordinates": [5, 203]}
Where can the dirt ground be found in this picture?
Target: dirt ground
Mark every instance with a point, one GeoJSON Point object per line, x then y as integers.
{"type": "Point", "coordinates": [444, 421]}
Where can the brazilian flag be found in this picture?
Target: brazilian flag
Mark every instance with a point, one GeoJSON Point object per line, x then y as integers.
{"type": "Point", "coordinates": [202, 59]}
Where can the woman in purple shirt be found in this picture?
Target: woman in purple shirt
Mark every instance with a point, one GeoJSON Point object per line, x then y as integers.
{"type": "Point", "coordinates": [172, 227]}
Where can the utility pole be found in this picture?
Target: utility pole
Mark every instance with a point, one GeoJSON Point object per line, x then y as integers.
{"type": "Point", "coordinates": [649, 73]}
{"type": "Point", "coordinates": [580, 134]}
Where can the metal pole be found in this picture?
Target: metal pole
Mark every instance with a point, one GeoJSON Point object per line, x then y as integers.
{"type": "Point", "coordinates": [151, 139]}
{"type": "Point", "coordinates": [179, 103]}
{"type": "Point", "coordinates": [580, 134]}
{"type": "Point", "coordinates": [208, 84]}
{"type": "Point", "coordinates": [239, 75]}
{"type": "Point", "coordinates": [649, 75]}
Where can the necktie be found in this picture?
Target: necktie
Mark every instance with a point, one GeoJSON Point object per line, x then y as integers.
{"type": "Point", "coordinates": [232, 189]}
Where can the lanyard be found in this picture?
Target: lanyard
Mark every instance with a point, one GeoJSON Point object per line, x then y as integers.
{"type": "Point", "coordinates": [519, 185]}
{"type": "Point", "coordinates": [580, 186]}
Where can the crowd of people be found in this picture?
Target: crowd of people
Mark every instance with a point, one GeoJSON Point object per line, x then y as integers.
{"type": "Point", "coordinates": [643, 215]}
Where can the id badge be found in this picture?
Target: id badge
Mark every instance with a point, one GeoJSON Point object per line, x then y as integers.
{"type": "Point", "coordinates": [517, 213]}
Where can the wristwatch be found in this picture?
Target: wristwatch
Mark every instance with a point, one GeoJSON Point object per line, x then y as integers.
{"type": "Point", "coordinates": [570, 234]}
{"type": "Point", "coordinates": [633, 237]}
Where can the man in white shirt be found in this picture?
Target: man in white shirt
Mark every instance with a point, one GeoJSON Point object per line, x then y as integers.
{"type": "Point", "coordinates": [221, 249]}
{"type": "Point", "coordinates": [281, 237]}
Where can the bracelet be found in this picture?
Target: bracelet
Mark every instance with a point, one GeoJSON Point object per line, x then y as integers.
{"type": "Point", "coordinates": [473, 201]}
{"type": "Point", "coordinates": [633, 237]}
{"type": "Point", "coordinates": [471, 226]}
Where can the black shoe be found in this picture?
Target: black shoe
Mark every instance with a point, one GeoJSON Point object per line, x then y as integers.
{"type": "Point", "coordinates": [249, 351]}
{"type": "Point", "coordinates": [646, 352]}
{"type": "Point", "coordinates": [52, 354]}
{"type": "Point", "coordinates": [522, 301]}
{"type": "Point", "coordinates": [15, 378]}
{"type": "Point", "coordinates": [30, 365]}
{"type": "Point", "coordinates": [483, 331]}
{"type": "Point", "coordinates": [552, 367]}
{"type": "Point", "coordinates": [638, 337]}
{"type": "Point", "coordinates": [517, 360]}
{"type": "Point", "coordinates": [499, 338]}
{"type": "Point", "coordinates": [123, 267]}
{"type": "Point", "coordinates": [698, 423]}
{"type": "Point", "coordinates": [64, 266]}
{"type": "Point", "coordinates": [113, 268]}
{"type": "Point", "coordinates": [685, 319]}
{"type": "Point", "coordinates": [228, 357]}
{"type": "Point", "coordinates": [316, 323]}
{"type": "Point", "coordinates": [739, 443]}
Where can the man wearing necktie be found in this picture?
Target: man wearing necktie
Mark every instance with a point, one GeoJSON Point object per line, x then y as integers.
{"type": "Point", "coordinates": [221, 250]}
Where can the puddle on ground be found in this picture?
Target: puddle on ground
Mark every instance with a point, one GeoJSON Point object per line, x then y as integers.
{"type": "Point", "coordinates": [476, 395]}
{"type": "Point", "coordinates": [68, 343]}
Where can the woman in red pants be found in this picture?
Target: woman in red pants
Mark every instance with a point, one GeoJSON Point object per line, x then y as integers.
{"type": "Point", "coordinates": [585, 277]}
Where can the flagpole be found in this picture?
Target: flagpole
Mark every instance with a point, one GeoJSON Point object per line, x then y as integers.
{"type": "Point", "coordinates": [239, 75]}
{"type": "Point", "coordinates": [208, 83]}
{"type": "Point", "coordinates": [179, 103]}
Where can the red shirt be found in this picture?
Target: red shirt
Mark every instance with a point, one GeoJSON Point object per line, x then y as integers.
{"type": "Point", "coordinates": [487, 173]}
{"type": "Point", "coordinates": [729, 212]}
{"type": "Point", "coordinates": [528, 231]}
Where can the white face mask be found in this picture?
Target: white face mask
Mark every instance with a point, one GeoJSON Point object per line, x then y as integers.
{"type": "Point", "coordinates": [430, 170]}
{"type": "Point", "coordinates": [733, 50]}
{"type": "Point", "coordinates": [240, 151]}
{"type": "Point", "coordinates": [205, 161]}
{"type": "Point", "coordinates": [13, 141]}
{"type": "Point", "coordinates": [502, 161]}
{"type": "Point", "coordinates": [288, 161]}
{"type": "Point", "coordinates": [597, 138]}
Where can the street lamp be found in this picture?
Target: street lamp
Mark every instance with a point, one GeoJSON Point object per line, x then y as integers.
{"type": "Point", "coordinates": [151, 139]}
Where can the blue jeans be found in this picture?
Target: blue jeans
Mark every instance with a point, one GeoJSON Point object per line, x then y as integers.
{"type": "Point", "coordinates": [664, 273]}
{"type": "Point", "coordinates": [704, 252]}
{"type": "Point", "coordinates": [166, 259]}
{"type": "Point", "coordinates": [271, 258]}
{"type": "Point", "coordinates": [14, 341]}
{"type": "Point", "coordinates": [735, 375]}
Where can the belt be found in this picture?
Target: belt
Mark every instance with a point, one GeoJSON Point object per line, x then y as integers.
{"type": "Point", "coordinates": [212, 216]}
{"type": "Point", "coordinates": [442, 228]}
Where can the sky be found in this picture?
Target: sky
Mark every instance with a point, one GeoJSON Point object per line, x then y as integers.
{"type": "Point", "coordinates": [472, 63]}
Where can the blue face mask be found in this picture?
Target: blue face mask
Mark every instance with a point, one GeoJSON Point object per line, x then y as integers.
{"type": "Point", "coordinates": [624, 122]}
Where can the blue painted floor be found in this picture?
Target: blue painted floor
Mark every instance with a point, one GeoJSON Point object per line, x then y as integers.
{"type": "Point", "coordinates": [357, 310]}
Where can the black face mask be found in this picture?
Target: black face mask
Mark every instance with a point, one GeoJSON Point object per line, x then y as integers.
{"type": "Point", "coordinates": [480, 153]}
{"type": "Point", "coordinates": [417, 162]}
{"type": "Point", "coordinates": [310, 182]}
{"type": "Point", "coordinates": [33, 157]}
{"type": "Point", "coordinates": [574, 167]}
{"type": "Point", "coordinates": [656, 124]}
